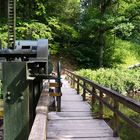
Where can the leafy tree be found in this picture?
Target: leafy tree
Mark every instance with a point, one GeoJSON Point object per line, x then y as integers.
{"type": "Point", "coordinates": [80, 26]}
{"type": "Point", "coordinates": [103, 19]}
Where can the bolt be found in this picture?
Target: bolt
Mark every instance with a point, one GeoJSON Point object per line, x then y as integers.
{"type": "Point", "coordinates": [8, 93]}
{"type": "Point", "coordinates": [8, 98]}
{"type": "Point", "coordinates": [21, 98]}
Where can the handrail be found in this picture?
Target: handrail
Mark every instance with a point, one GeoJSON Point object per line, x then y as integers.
{"type": "Point", "coordinates": [39, 128]}
{"type": "Point", "coordinates": [98, 95]}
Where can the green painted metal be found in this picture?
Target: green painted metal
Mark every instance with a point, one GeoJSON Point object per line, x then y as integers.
{"type": "Point", "coordinates": [59, 87]}
{"type": "Point", "coordinates": [35, 88]}
{"type": "Point", "coordinates": [16, 101]}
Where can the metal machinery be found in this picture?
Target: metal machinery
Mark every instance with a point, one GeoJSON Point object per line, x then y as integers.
{"type": "Point", "coordinates": [35, 53]}
{"type": "Point", "coordinates": [25, 64]}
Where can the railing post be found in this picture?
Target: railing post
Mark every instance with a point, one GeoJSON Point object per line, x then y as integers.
{"type": "Point", "coordinates": [101, 106]}
{"type": "Point", "coordinates": [93, 99]}
{"type": "Point", "coordinates": [84, 91]}
{"type": "Point", "coordinates": [116, 119]}
{"type": "Point", "coordinates": [77, 85]}
{"type": "Point", "coordinates": [66, 75]}
{"type": "Point", "coordinates": [73, 83]}
{"type": "Point", "coordinates": [70, 79]}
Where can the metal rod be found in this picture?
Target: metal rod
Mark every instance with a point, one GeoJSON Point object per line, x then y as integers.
{"type": "Point", "coordinates": [11, 23]}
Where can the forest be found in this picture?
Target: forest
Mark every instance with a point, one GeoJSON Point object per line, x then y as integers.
{"type": "Point", "coordinates": [100, 39]}
{"type": "Point", "coordinates": [93, 33]}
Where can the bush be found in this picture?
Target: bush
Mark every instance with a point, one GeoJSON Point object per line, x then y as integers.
{"type": "Point", "coordinates": [120, 80]}
{"type": "Point", "coordinates": [60, 35]}
{"type": "Point", "coordinates": [84, 57]}
{"type": "Point", "coordinates": [3, 33]}
{"type": "Point", "coordinates": [121, 53]}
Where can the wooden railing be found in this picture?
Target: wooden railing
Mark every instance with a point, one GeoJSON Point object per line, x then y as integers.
{"type": "Point", "coordinates": [39, 128]}
{"type": "Point", "coordinates": [99, 93]}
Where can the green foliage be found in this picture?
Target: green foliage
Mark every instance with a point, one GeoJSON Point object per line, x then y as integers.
{"type": "Point", "coordinates": [73, 27]}
{"type": "Point", "coordinates": [126, 132]}
{"type": "Point", "coordinates": [59, 34]}
{"type": "Point", "coordinates": [120, 53]}
{"type": "Point", "coordinates": [3, 33]}
{"type": "Point", "coordinates": [33, 30]}
{"type": "Point", "coordinates": [121, 80]}
{"type": "Point", "coordinates": [84, 56]}
{"type": "Point", "coordinates": [27, 30]}
{"type": "Point", "coordinates": [116, 19]}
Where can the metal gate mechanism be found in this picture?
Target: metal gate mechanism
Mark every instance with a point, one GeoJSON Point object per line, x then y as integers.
{"type": "Point", "coordinates": [25, 64]}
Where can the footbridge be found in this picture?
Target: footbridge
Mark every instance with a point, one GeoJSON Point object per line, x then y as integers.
{"type": "Point", "coordinates": [76, 121]}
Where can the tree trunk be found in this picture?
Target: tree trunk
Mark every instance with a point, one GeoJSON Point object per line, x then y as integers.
{"type": "Point", "coordinates": [101, 47]}
{"type": "Point", "coordinates": [101, 33]}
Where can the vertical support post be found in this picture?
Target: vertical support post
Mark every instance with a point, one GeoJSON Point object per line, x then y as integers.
{"type": "Point", "coordinates": [77, 85]}
{"type": "Point", "coordinates": [58, 80]}
{"type": "Point", "coordinates": [31, 104]}
{"type": "Point", "coordinates": [84, 91]}
{"type": "Point", "coordinates": [93, 99]}
{"type": "Point", "coordinates": [16, 101]}
{"type": "Point", "coordinates": [71, 80]}
{"type": "Point", "coordinates": [101, 106]}
{"type": "Point", "coordinates": [58, 89]}
{"type": "Point", "coordinates": [116, 119]}
{"type": "Point", "coordinates": [66, 75]}
{"type": "Point", "coordinates": [68, 78]}
{"type": "Point", "coordinates": [73, 83]}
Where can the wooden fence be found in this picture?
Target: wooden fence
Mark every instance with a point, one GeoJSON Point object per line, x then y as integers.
{"type": "Point", "coordinates": [99, 93]}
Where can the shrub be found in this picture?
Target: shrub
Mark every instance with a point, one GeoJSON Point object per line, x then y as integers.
{"type": "Point", "coordinates": [120, 80]}
{"type": "Point", "coordinates": [121, 53]}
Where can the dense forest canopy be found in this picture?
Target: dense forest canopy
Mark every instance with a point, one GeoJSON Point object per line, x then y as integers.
{"type": "Point", "coordinates": [93, 33]}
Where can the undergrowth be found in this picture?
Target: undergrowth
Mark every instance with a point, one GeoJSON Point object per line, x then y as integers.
{"type": "Point", "coordinates": [121, 80]}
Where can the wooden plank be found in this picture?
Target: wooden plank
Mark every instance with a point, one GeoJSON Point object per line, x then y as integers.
{"type": "Point", "coordinates": [100, 138]}
{"type": "Point", "coordinates": [73, 114]}
{"type": "Point", "coordinates": [53, 85]}
{"type": "Point", "coordinates": [78, 109]}
{"type": "Point", "coordinates": [55, 94]}
{"type": "Point", "coordinates": [78, 124]}
{"type": "Point", "coordinates": [76, 120]}
{"type": "Point", "coordinates": [74, 106]}
{"type": "Point", "coordinates": [71, 98]}
{"type": "Point", "coordinates": [76, 116]}
{"type": "Point", "coordinates": [79, 134]}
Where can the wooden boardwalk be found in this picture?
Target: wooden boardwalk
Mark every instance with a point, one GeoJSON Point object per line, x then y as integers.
{"type": "Point", "coordinates": [75, 121]}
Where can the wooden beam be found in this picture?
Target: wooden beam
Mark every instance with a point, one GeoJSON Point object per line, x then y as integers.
{"type": "Point", "coordinates": [55, 94]}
